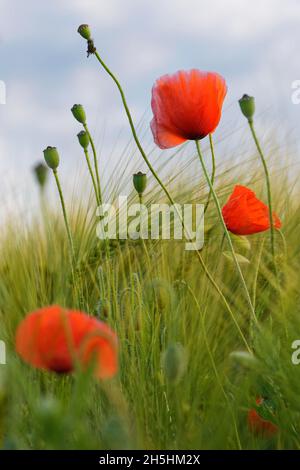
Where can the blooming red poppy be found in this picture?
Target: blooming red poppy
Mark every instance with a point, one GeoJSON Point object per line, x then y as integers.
{"type": "Point", "coordinates": [258, 425]}
{"type": "Point", "coordinates": [57, 339]}
{"type": "Point", "coordinates": [244, 214]}
{"type": "Point", "coordinates": [186, 106]}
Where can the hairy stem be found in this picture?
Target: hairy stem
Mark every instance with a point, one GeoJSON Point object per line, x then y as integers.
{"type": "Point", "coordinates": [225, 229]}
{"type": "Point", "coordinates": [213, 173]}
{"type": "Point", "coordinates": [95, 164]}
{"type": "Point", "coordinates": [263, 160]}
{"type": "Point", "coordinates": [64, 214]}
{"type": "Point", "coordinates": [87, 157]}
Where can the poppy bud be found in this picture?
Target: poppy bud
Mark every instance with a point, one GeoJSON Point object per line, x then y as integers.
{"type": "Point", "coordinates": [140, 182]}
{"type": "Point", "coordinates": [84, 31]}
{"type": "Point", "coordinates": [115, 434]}
{"type": "Point", "coordinates": [242, 260]}
{"type": "Point", "coordinates": [245, 359]}
{"type": "Point", "coordinates": [84, 139]}
{"type": "Point", "coordinates": [174, 362]}
{"type": "Point", "coordinates": [51, 157]}
{"type": "Point", "coordinates": [160, 294]}
{"type": "Point", "coordinates": [241, 244]}
{"type": "Point", "coordinates": [247, 105]}
{"type": "Point", "coordinates": [41, 171]}
{"type": "Point", "coordinates": [79, 113]}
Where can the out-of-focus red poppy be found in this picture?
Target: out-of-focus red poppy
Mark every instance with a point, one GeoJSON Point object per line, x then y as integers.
{"type": "Point", "coordinates": [244, 214]}
{"type": "Point", "coordinates": [57, 339]}
{"type": "Point", "coordinates": [258, 425]}
{"type": "Point", "coordinates": [186, 106]}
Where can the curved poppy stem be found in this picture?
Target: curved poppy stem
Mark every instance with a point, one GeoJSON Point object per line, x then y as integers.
{"type": "Point", "coordinates": [144, 156]}
{"type": "Point", "coordinates": [263, 160]}
{"type": "Point", "coordinates": [213, 174]}
{"type": "Point", "coordinates": [99, 199]}
{"type": "Point", "coordinates": [225, 229]}
{"type": "Point", "coordinates": [134, 134]}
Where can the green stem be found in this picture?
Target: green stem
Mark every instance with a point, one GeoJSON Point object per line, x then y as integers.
{"type": "Point", "coordinates": [225, 228]}
{"type": "Point", "coordinates": [64, 214]}
{"type": "Point", "coordinates": [87, 157]}
{"type": "Point", "coordinates": [95, 163]}
{"type": "Point", "coordinates": [263, 160]}
{"type": "Point", "coordinates": [144, 156]}
{"type": "Point", "coordinates": [213, 173]}
{"type": "Point", "coordinates": [134, 134]}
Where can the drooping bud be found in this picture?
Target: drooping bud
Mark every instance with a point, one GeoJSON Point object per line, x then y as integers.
{"type": "Point", "coordinates": [84, 31]}
{"type": "Point", "coordinates": [174, 362]}
{"type": "Point", "coordinates": [79, 113]}
{"type": "Point", "coordinates": [247, 105]}
{"type": "Point", "coordinates": [51, 157]}
{"type": "Point", "coordinates": [84, 139]}
{"type": "Point", "coordinates": [242, 260]}
{"type": "Point", "coordinates": [140, 182]}
{"type": "Point", "coordinates": [41, 172]}
{"type": "Point", "coordinates": [241, 243]}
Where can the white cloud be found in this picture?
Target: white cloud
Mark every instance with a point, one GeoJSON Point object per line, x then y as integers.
{"type": "Point", "coordinates": [226, 20]}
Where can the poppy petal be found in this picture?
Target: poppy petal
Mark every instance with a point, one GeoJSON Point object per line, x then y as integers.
{"type": "Point", "coordinates": [186, 106]}
{"type": "Point", "coordinates": [245, 214]}
{"type": "Point", "coordinates": [57, 339]}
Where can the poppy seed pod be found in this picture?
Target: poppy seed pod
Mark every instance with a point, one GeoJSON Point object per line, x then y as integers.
{"type": "Point", "coordinates": [79, 113]}
{"type": "Point", "coordinates": [41, 172]}
{"type": "Point", "coordinates": [174, 362]}
{"type": "Point", "coordinates": [247, 105]}
{"type": "Point", "coordinates": [51, 157]}
{"type": "Point", "coordinates": [140, 182]}
{"type": "Point", "coordinates": [84, 139]}
{"type": "Point", "coordinates": [84, 31]}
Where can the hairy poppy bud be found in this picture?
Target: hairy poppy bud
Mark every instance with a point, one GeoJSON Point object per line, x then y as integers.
{"type": "Point", "coordinates": [79, 113]}
{"type": "Point", "coordinates": [41, 171]}
{"type": "Point", "coordinates": [174, 362]}
{"type": "Point", "coordinates": [115, 434]}
{"type": "Point", "coordinates": [84, 31]}
{"type": "Point", "coordinates": [240, 243]}
{"type": "Point", "coordinates": [140, 182]}
{"type": "Point", "coordinates": [247, 105]}
{"type": "Point", "coordinates": [51, 157]}
{"type": "Point", "coordinates": [84, 139]}
{"type": "Point", "coordinates": [160, 294]}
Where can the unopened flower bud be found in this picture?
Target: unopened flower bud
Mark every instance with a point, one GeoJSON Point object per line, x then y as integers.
{"type": "Point", "coordinates": [51, 157]}
{"type": "Point", "coordinates": [247, 105]}
{"type": "Point", "coordinates": [241, 243]}
{"type": "Point", "coordinates": [79, 113]}
{"type": "Point", "coordinates": [84, 139]}
{"type": "Point", "coordinates": [84, 31]}
{"type": "Point", "coordinates": [174, 362]}
{"type": "Point", "coordinates": [140, 182]}
{"type": "Point", "coordinates": [41, 172]}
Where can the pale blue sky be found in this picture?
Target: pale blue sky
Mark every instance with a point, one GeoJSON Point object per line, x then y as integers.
{"type": "Point", "coordinates": [254, 45]}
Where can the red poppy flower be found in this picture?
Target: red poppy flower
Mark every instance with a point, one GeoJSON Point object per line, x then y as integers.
{"type": "Point", "coordinates": [244, 214]}
{"type": "Point", "coordinates": [186, 106]}
{"type": "Point", "coordinates": [56, 339]}
{"type": "Point", "coordinates": [258, 425]}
